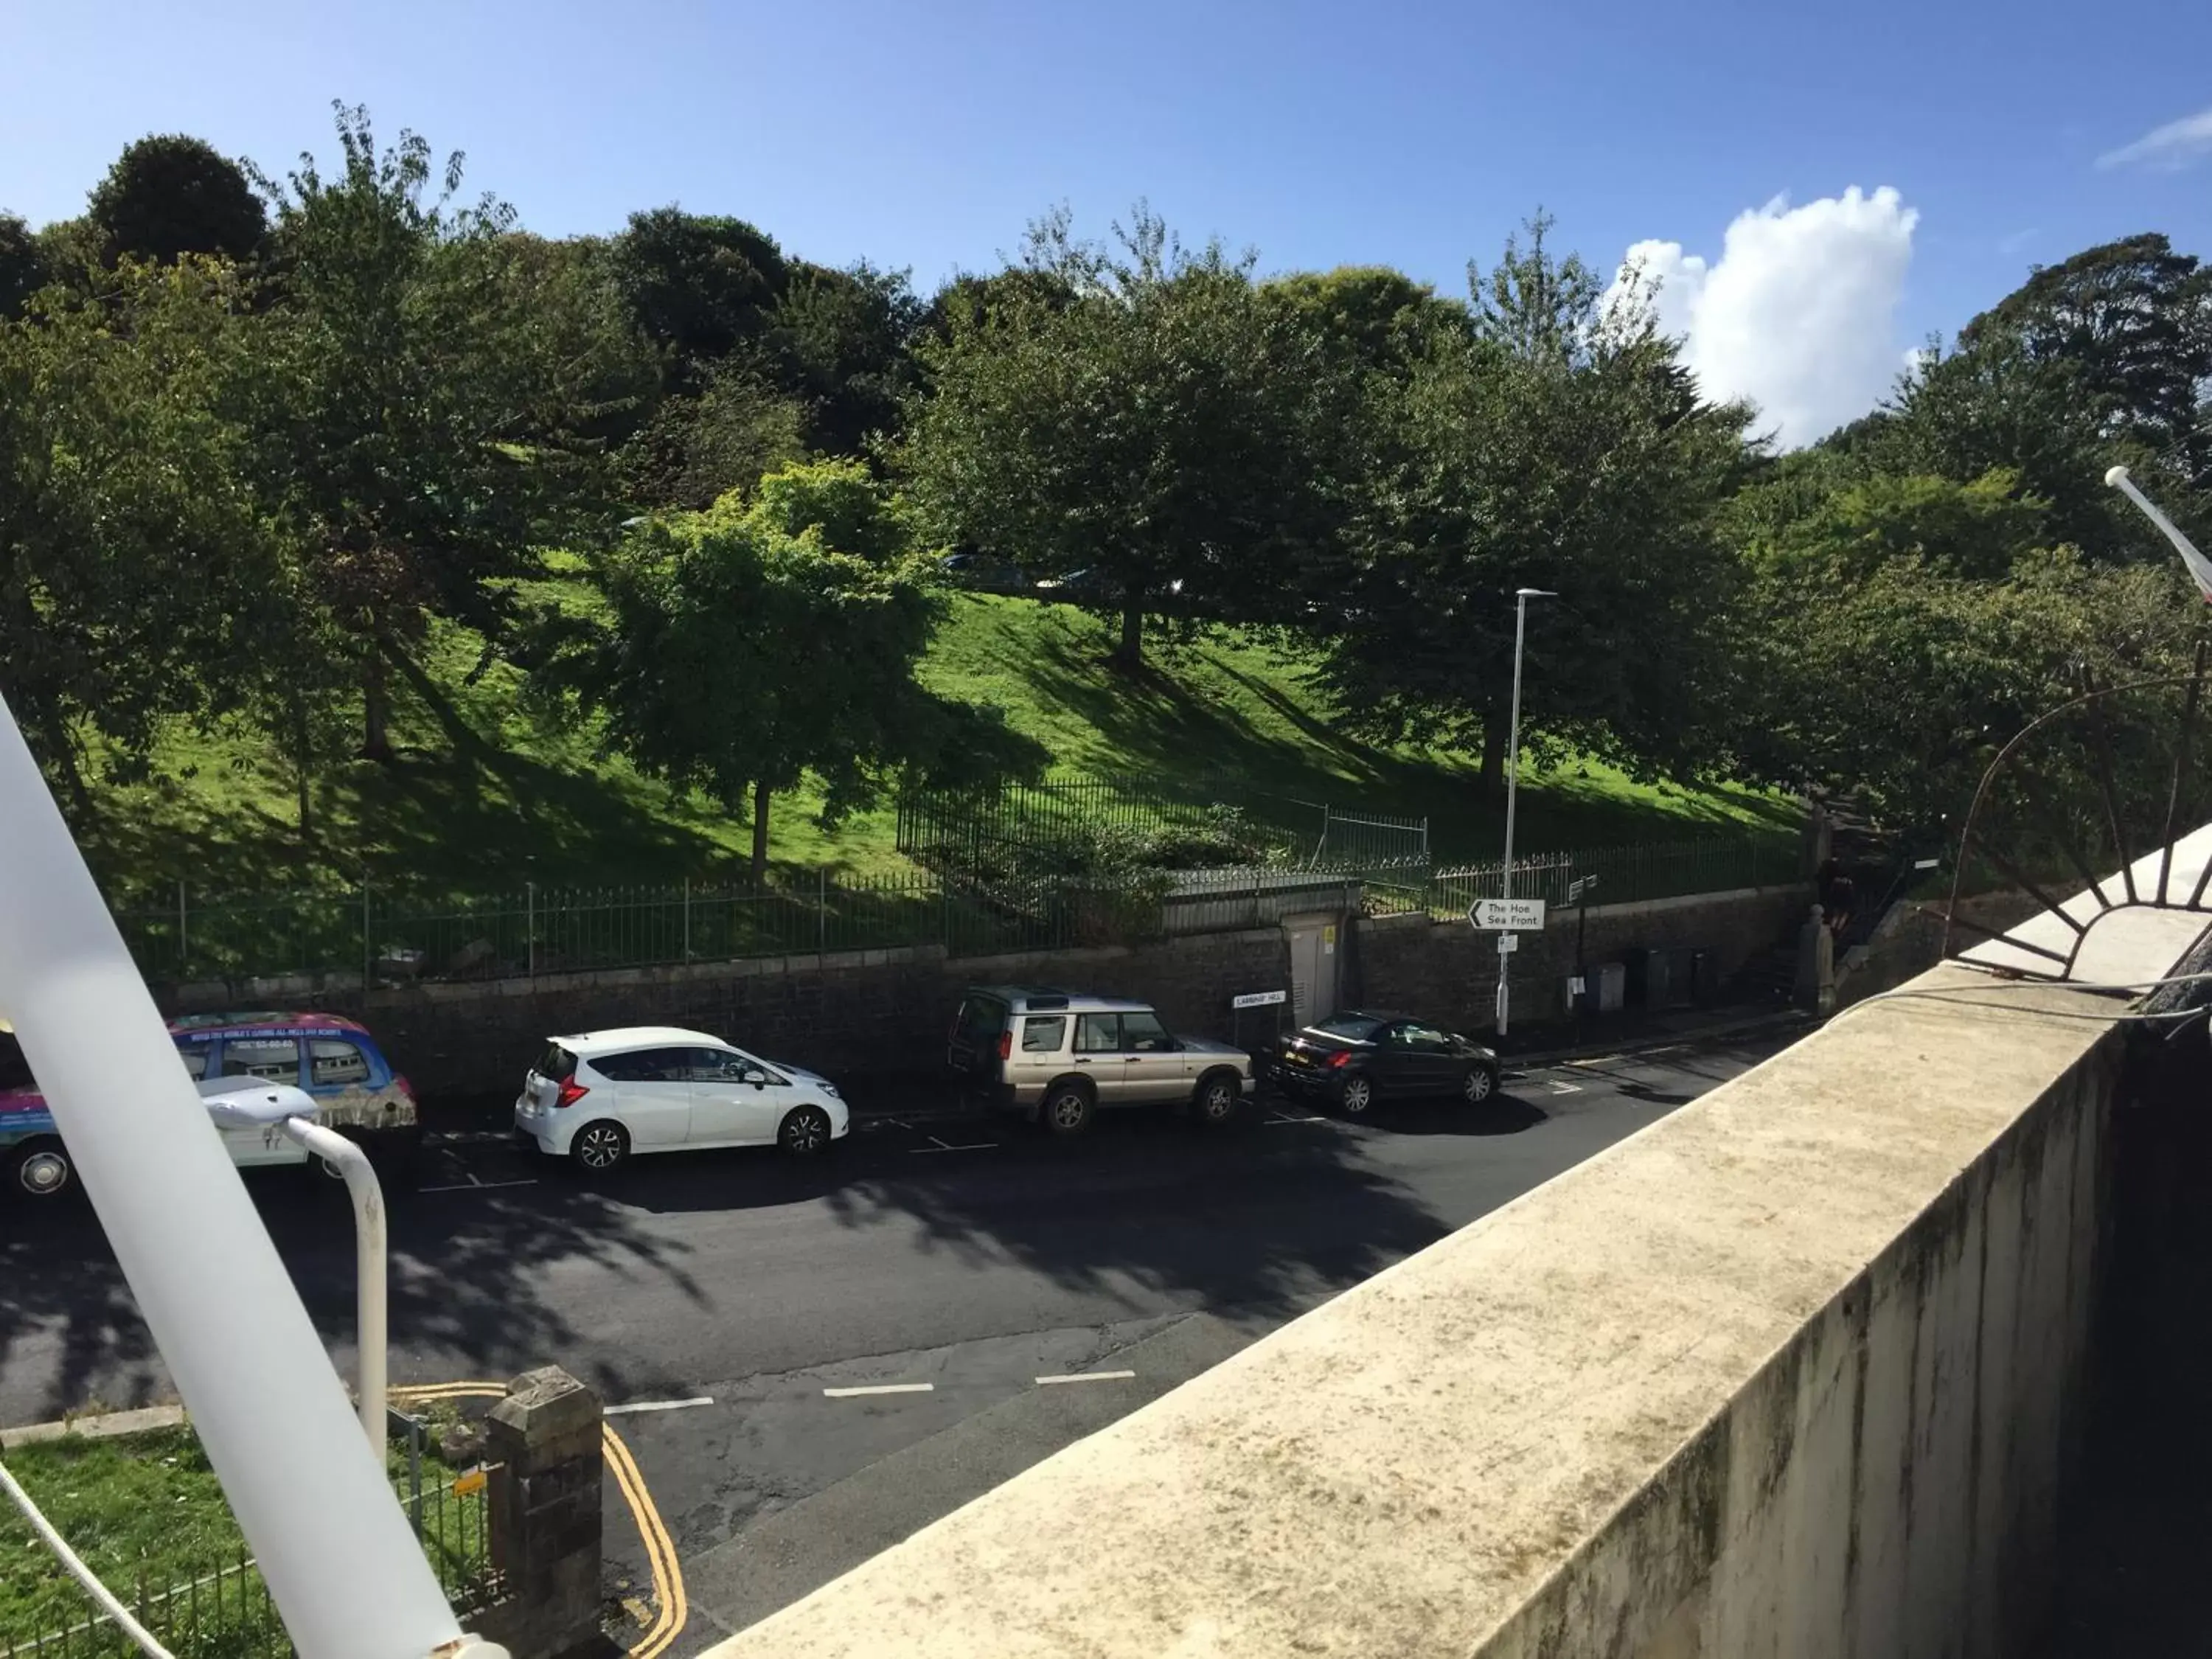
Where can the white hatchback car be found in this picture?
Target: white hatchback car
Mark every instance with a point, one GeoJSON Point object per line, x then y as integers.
{"type": "Point", "coordinates": [599, 1096]}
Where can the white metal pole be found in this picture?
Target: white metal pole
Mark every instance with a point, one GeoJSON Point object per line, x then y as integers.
{"type": "Point", "coordinates": [369, 1257]}
{"type": "Point", "coordinates": [1512, 793]}
{"type": "Point", "coordinates": [344, 1568]}
{"type": "Point", "coordinates": [2200, 569]}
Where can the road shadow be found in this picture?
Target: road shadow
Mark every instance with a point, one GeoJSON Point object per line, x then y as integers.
{"type": "Point", "coordinates": [1501, 1115]}
{"type": "Point", "coordinates": [1257, 1218]}
{"type": "Point", "coordinates": [464, 1287]}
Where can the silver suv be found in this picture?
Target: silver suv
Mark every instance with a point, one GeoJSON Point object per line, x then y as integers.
{"type": "Point", "coordinates": [1060, 1058]}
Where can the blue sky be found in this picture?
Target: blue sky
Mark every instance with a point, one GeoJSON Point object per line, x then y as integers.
{"type": "Point", "coordinates": [1407, 134]}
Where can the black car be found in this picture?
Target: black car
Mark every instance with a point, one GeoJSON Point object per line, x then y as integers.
{"type": "Point", "coordinates": [1350, 1060]}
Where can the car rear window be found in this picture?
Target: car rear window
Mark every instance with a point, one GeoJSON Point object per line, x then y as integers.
{"type": "Point", "coordinates": [1354, 1028]}
{"type": "Point", "coordinates": [981, 1020]}
{"type": "Point", "coordinates": [1042, 1034]}
{"type": "Point", "coordinates": [556, 1063]}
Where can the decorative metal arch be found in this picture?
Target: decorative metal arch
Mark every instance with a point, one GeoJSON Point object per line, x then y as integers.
{"type": "Point", "coordinates": [2025, 808]}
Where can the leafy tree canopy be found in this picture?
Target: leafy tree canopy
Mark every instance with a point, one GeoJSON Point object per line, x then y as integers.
{"type": "Point", "coordinates": [168, 195]}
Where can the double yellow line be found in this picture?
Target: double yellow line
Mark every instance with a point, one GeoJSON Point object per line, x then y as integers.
{"type": "Point", "coordinates": [672, 1611]}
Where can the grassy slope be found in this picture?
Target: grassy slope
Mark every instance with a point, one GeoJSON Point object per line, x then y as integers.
{"type": "Point", "coordinates": [137, 1508]}
{"type": "Point", "coordinates": [1225, 706]}
{"type": "Point", "coordinates": [483, 797]}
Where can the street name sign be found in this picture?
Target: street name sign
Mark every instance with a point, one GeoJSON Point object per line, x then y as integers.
{"type": "Point", "coordinates": [1499, 915]}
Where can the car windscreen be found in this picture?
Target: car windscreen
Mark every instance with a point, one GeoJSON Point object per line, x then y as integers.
{"type": "Point", "coordinates": [556, 1063]}
{"type": "Point", "coordinates": [1352, 1028]}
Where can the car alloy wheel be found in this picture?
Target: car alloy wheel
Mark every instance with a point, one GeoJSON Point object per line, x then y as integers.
{"type": "Point", "coordinates": [599, 1146]}
{"type": "Point", "coordinates": [43, 1174]}
{"type": "Point", "coordinates": [805, 1132]}
{"type": "Point", "coordinates": [1357, 1095]}
{"type": "Point", "coordinates": [1479, 1086]}
{"type": "Point", "coordinates": [1069, 1112]}
{"type": "Point", "coordinates": [1217, 1101]}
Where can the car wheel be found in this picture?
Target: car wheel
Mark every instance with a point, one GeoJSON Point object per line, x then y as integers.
{"type": "Point", "coordinates": [1355, 1094]}
{"type": "Point", "coordinates": [805, 1132]}
{"type": "Point", "coordinates": [600, 1147]}
{"type": "Point", "coordinates": [1067, 1109]}
{"type": "Point", "coordinates": [41, 1168]}
{"type": "Point", "coordinates": [1480, 1083]}
{"type": "Point", "coordinates": [1216, 1099]}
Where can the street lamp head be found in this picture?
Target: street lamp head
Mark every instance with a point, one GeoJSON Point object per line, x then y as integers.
{"type": "Point", "coordinates": [1533, 593]}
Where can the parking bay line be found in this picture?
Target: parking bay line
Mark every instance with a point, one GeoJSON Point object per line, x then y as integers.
{"type": "Point", "coordinates": [943, 1146]}
{"type": "Point", "coordinates": [656, 1405]}
{"type": "Point", "coordinates": [879, 1388]}
{"type": "Point", "coordinates": [1087, 1377]}
{"type": "Point", "coordinates": [472, 1185]}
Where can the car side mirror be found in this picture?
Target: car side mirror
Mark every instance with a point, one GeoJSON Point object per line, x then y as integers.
{"type": "Point", "coordinates": [758, 1079]}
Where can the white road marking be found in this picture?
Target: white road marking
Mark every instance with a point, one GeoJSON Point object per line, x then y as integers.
{"type": "Point", "coordinates": [1279, 1119]}
{"type": "Point", "coordinates": [1087, 1377]}
{"type": "Point", "coordinates": [473, 1185]}
{"type": "Point", "coordinates": [657, 1406]}
{"type": "Point", "coordinates": [881, 1387]}
{"type": "Point", "coordinates": [942, 1146]}
{"type": "Point", "coordinates": [1558, 1088]}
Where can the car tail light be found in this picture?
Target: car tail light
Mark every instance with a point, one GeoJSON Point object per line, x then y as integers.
{"type": "Point", "coordinates": [1007, 1044]}
{"type": "Point", "coordinates": [1341, 1057]}
{"type": "Point", "coordinates": [571, 1092]}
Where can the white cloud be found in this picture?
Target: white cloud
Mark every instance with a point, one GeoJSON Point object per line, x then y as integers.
{"type": "Point", "coordinates": [2168, 148]}
{"type": "Point", "coordinates": [1797, 314]}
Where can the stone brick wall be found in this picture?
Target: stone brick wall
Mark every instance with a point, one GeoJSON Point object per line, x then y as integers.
{"type": "Point", "coordinates": [1448, 972]}
{"type": "Point", "coordinates": [865, 1013]}
{"type": "Point", "coordinates": [884, 1013]}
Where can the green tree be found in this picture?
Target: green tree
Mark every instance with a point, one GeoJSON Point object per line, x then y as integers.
{"type": "Point", "coordinates": [743, 648]}
{"type": "Point", "coordinates": [22, 266]}
{"type": "Point", "coordinates": [1562, 447]}
{"type": "Point", "coordinates": [169, 195]}
{"type": "Point", "coordinates": [842, 341]}
{"type": "Point", "coordinates": [736, 426]}
{"type": "Point", "coordinates": [1383, 317]}
{"type": "Point", "coordinates": [1162, 427]}
{"type": "Point", "coordinates": [141, 580]}
{"type": "Point", "coordinates": [426, 439]}
{"type": "Point", "coordinates": [699, 285]}
{"type": "Point", "coordinates": [2133, 319]}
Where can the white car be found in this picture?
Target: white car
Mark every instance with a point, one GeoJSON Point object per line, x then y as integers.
{"type": "Point", "coordinates": [600, 1097]}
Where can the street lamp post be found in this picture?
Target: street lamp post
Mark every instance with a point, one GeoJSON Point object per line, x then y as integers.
{"type": "Point", "coordinates": [1521, 596]}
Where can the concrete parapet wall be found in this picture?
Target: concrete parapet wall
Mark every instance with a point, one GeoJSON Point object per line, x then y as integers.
{"type": "Point", "coordinates": [1793, 1371]}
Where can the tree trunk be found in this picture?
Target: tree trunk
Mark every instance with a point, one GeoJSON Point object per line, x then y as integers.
{"type": "Point", "coordinates": [1494, 723]}
{"type": "Point", "coordinates": [375, 706]}
{"type": "Point", "coordinates": [760, 792]}
{"type": "Point", "coordinates": [303, 762]}
{"type": "Point", "coordinates": [63, 756]}
{"type": "Point", "coordinates": [1130, 653]}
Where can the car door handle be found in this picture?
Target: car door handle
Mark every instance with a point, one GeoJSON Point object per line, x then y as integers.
{"type": "Point", "coordinates": [1079, 1061]}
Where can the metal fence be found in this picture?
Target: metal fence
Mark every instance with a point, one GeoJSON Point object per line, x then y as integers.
{"type": "Point", "coordinates": [1621, 875]}
{"type": "Point", "coordinates": [384, 938]}
{"type": "Point", "coordinates": [227, 1613]}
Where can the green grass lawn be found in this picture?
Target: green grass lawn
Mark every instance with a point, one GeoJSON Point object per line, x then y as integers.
{"type": "Point", "coordinates": [145, 1512]}
{"type": "Point", "coordinates": [482, 796]}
